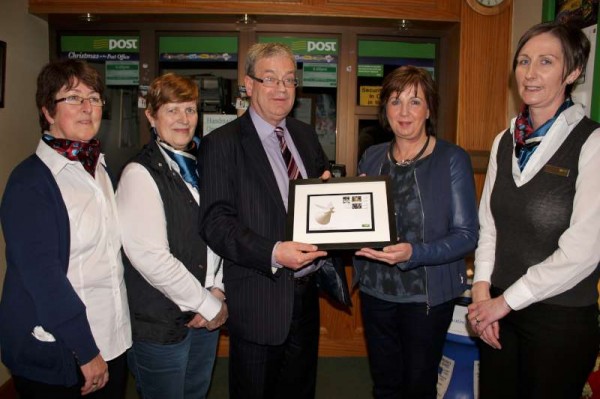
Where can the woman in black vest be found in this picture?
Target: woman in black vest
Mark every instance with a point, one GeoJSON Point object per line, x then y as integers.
{"type": "Point", "coordinates": [536, 267]}
{"type": "Point", "coordinates": [173, 280]}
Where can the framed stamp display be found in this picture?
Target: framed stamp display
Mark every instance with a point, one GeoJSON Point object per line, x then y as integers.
{"type": "Point", "coordinates": [342, 213]}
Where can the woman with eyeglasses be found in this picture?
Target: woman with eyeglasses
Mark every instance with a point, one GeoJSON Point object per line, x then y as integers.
{"type": "Point", "coordinates": [64, 318]}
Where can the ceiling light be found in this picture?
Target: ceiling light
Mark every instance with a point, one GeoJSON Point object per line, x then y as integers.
{"type": "Point", "coordinates": [88, 17]}
{"type": "Point", "coordinates": [403, 25]}
{"type": "Point", "coordinates": [245, 23]}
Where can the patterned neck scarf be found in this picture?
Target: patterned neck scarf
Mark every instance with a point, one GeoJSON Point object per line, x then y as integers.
{"type": "Point", "coordinates": [186, 160]}
{"type": "Point", "coordinates": [86, 153]}
{"type": "Point", "coordinates": [526, 139]}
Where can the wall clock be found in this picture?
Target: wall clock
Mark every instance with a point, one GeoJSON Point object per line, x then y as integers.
{"type": "Point", "coordinates": [489, 7]}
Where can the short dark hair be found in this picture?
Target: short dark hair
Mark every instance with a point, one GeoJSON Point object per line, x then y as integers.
{"type": "Point", "coordinates": [170, 88]}
{"type": "Point", "coordinates": [575, 47]}
{"type": "Point", "coordinates": [63, 73]}
{"type": "Point", "coordinates": [410, 77]}
{"type": "Point", "coordinates": [259, 51]}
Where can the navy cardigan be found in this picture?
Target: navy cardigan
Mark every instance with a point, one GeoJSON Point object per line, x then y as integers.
{"type": "Point", "coordinates": [447, 193]}
{"type": "Point", "coordinates": [36, 290]}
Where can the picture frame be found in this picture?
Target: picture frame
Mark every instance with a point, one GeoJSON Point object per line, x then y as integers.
{"type": "Point", "coordinates": [341, 213]}
{"type": "Point", "coordinates": [2, 71]}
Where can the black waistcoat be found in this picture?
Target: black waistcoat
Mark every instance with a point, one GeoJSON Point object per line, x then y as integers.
{"type": "Point", "coordinates": [530, 219]}
{"type": "Point", "coordinates": [154, 317]}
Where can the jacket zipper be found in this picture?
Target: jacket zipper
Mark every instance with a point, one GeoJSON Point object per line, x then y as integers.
{"type": "Point", "coordinates": [422, 237]}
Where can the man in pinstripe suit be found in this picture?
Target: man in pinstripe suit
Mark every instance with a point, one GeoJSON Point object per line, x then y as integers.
{"type": "Point", "coordinates": [271, 292]}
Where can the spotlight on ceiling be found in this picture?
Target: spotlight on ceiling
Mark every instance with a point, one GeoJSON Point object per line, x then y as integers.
{"type": "Point", "coordinates": [403, 25]}
{"type": "Point", "coordinates": [88, 17]}
{"type": "Point", "coordinates": [245, 23]}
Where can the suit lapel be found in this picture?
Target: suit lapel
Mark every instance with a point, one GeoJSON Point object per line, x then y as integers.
{"type": "Point", "coordinates": [257, 159]}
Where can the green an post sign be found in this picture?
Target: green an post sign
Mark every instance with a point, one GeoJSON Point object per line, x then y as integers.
{"type": "Point", "coordinates": [308, 49]}
{"type": "Point", "coordinates": [100, 48]}
{"type": "Point", "coordinates": [318, 56]}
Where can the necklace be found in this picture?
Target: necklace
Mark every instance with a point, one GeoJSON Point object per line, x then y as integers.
{"type": "Point", "coordinates": [407, 162]}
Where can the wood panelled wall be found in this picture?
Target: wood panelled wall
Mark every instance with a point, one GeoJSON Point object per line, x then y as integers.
{"type": "Point", "coordinates": [476, 76]}
{"type": "Point", "coordinates": [484, 78]}
{"type": "Point", "coordinates": [434, 10]}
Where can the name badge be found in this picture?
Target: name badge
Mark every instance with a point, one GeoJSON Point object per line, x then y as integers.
{"type": "Point", "coordinates": [557, 170]}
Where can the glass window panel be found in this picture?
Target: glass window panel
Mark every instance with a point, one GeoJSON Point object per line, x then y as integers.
{"type": "Point", "coordinates": [377, 58]}
{"type": "Point", "coordinates": [212, 62]}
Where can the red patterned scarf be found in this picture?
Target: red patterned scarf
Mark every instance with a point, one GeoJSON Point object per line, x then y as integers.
{"type": "Point", "coordinates": [526, 138]}
{"type": "Point", "coordinates": [86, 153]}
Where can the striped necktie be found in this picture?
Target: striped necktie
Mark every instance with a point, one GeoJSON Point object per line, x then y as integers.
{"type": "Point", "coordinates": [292, 168]}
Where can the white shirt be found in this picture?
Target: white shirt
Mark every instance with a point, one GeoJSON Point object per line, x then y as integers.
{"type": "Point", "coordinates": [144, 230]}
{"type": "Point", "coordinates": [95, 266]}
{"type": "Point", "coordinates": [578, 250]}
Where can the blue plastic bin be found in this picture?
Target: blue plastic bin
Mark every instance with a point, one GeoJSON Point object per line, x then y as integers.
{"type": "Point", "coordinates": [459, 369]}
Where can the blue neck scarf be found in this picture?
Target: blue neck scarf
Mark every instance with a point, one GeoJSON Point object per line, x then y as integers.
{"type": "Point", "coordinates": [527, 139]}
{"type": "Point", "coordinates": [186, 160]}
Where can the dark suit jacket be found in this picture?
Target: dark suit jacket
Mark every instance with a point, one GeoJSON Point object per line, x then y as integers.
{"type": "Point", "coordinates": [242, 216]}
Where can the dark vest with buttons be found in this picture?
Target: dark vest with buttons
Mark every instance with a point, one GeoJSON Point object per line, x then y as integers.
{"type": "Point", "coordinates": [530, 219]}
{"type": "Point", "coordinates": [154, 317]}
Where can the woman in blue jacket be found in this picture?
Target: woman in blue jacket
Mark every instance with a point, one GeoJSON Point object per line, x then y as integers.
{"type": "Point", "coordinates": [408, 289]}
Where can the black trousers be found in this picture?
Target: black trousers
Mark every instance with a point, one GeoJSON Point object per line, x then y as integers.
{"type": "Point", "coordinates": [280, 371]}
{"type": "Point", "coordinates": [114, 388]}
{"type": "Point", "coordinates": [404, 343]}
{"type": "Point", "coordinates": [547, 352]}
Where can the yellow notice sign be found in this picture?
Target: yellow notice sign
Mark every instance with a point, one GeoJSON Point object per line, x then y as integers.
{"type": "Point", "coordinates": [369, 95]}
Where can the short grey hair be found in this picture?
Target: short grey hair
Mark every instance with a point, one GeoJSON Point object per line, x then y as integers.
{"type": "Point", "coordinates": [259, 51]}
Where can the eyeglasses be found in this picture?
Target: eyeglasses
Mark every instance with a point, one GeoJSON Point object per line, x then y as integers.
{"type": "Point", "coordinates": [270, 81]}
{"type": "Point", "coordinates": [78, 100]}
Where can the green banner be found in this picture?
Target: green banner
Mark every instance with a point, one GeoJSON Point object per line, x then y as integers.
{"type": "Point", "coordinates": [379, 48]}
{"type": "Point", "coordinates": [198, 48]}
{"type": "Point", "coordinates": [100, 44]}
{"type": "Point", "coordinates": [198, 44]}
{"type": "Point", "coordinates": [306, 46]}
